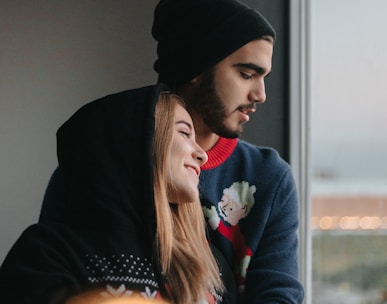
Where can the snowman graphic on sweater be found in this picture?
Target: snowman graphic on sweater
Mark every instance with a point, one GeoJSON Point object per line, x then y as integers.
{"type": "Point", "coordinates": [235, 204]}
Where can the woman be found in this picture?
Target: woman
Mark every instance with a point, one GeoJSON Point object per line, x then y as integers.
{"type": "Point", "coordinates": [133, 224]}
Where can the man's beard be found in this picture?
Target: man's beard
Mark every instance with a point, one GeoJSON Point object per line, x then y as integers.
{"type": "Point", "coordinates": [206, 103]}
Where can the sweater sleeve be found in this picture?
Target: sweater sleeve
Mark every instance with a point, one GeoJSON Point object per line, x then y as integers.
{"type": "Point", "coordinates": [35, 270]}
{"type": "Point", "coordinates": [272, 275]}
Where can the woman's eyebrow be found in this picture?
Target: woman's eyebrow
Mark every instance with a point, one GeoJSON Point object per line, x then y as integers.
{"type": "Point", "coordinates": [185, 123]}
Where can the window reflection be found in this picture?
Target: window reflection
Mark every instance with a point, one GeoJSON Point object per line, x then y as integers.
{"type": "Point", "coordinates": [349, 151]}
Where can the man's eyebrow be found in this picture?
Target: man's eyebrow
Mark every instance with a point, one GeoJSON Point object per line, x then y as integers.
{"type": "Point", "coordinates": [251, 66]}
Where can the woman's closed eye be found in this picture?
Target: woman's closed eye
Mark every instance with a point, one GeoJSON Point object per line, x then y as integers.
{"type": "Point", "coordinates": [185, 133]}
{"type": "Point", "coordinates": [184, 128]}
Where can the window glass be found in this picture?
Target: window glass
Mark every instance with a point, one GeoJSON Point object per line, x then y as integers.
{"type": "Point", "coordinates": [348, 93]}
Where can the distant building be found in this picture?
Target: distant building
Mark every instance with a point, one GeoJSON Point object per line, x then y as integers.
{"type": "Point", "coordinates": [349, 212]}
{"type": "Point", "coordinates": [349, 206]}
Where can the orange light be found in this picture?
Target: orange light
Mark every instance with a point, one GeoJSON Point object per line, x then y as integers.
{"type": "Point", "coordinates": [349, 222]}
{"type": "Point", "coordinates": [326, 223]}
{"type": "Point", "coordinates": [370, 222]}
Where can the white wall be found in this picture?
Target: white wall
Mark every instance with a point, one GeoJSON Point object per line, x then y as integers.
{"type": "Point", "coordinates": [54, 57]}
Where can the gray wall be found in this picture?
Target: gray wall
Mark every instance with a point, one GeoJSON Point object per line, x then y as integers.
{"type": "Point", "coordinates": [269, 126]}
{"type": "Point", "coordinates": [57, 55]}
{"type": "Point", "coordinates": [54, 57]}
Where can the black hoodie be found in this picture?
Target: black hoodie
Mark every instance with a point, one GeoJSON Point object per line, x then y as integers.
{"type": "Point", "coordinates": [106, 236]}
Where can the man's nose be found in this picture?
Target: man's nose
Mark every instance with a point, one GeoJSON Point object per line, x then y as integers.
{"type": "Point", "coordinates": [258, 92]}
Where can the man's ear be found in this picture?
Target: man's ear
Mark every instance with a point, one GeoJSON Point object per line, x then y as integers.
{"type": "Point", "coordinates": [196, 81]}
{"type": "Point", "coordinates": [190, 86]}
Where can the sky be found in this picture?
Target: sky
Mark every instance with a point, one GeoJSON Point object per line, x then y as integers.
{"type": "Point", "coordinates": [348, 43]}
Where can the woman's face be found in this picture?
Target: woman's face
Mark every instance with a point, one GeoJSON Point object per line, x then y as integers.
{"type": "Point", "coordinates": [184, 160]}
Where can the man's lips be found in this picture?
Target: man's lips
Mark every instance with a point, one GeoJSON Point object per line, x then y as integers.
{"type": "Point", "coordinates": [245, 111]}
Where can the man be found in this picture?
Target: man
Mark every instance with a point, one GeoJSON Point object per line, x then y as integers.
{"type": "Point", "coordinates": [216, 55]}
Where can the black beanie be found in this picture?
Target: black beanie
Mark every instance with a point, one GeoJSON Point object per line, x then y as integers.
{"type": "Point", "coordinates": [194, 35]}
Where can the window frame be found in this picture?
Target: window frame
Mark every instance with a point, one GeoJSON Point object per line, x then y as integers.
{"type": "Point", "coordinates": [299, 150]}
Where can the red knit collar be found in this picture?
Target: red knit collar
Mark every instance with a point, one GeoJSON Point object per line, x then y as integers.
{"type": "Point", "coordinates": [220, 152]}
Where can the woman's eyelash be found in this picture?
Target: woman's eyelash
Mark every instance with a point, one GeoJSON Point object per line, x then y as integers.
{"type": "Point", "coordinates": [185, 133]}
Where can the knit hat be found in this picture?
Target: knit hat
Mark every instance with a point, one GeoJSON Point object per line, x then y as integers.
{"type": "Point", "coordinates": [194, 35]}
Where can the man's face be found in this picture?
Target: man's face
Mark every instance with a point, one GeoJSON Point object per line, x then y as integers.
{"type": "Point", "coordinates": [227, 95]}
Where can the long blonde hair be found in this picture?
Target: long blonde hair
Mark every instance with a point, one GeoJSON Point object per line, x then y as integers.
{"type": "Point", "coordinates": [185, 256]}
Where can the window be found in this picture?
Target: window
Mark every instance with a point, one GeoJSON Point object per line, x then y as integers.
{"type": "Point", "coordinates": [341, 160]}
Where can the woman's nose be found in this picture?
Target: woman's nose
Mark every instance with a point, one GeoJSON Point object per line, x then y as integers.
{"type": "Point", "coordinates": [200, 155]}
